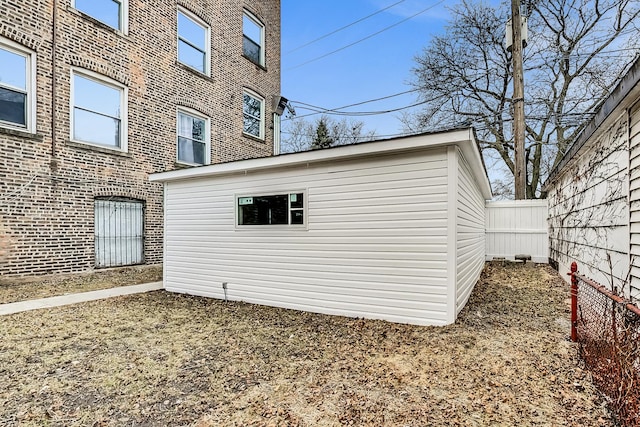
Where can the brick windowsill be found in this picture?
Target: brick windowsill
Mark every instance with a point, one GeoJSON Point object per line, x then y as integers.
{"type": "Point", "coordinates": [21, 134]}
{"type": "Point", "coordinates": [99, 149]}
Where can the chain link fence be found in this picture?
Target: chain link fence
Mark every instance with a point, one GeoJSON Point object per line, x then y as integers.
{"type": "Point", "coordinates": [607, 328]}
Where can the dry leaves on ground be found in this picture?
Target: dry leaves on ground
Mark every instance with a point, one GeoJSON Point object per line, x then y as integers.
{"type": "Point", "coordinates": [167, 359]}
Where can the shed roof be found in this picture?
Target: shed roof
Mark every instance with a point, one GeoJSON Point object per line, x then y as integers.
{"type": "Point", "coordinates": [462, 138]}
{"type": "Point", "coordinates": [618, 100]}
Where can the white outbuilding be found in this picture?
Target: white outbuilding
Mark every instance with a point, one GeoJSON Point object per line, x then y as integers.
{"type": "Point", "coordinates": [391, 229]}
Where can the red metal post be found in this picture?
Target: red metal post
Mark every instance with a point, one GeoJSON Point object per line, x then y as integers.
{"type": "Point", "coordinates": [574, 301]}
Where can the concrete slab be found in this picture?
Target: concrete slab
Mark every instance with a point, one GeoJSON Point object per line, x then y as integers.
{"type": "Point", "coordinates": [36, 304]}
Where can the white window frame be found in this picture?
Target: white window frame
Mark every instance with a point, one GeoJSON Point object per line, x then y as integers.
{"type": "Point", "coordinates": [30, 80]}
{"type": "Point", "coordinates": [259, 24]}
{"type": "Point", "coordinates": [207, 45]}
{"type": "Point", "coordinates": [123, 18]}
{"type": "Point", "coordinates": [262, 113]}
{"type": "Point", "coordinates": [207, 136]}
{"type": "Point", "coordinates": [98, 78]}
{"type": "Point", "coordinates": [289, 226]}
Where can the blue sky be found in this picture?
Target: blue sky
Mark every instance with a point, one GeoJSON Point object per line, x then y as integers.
{"type": "Point", "coordinates": [374, 68]}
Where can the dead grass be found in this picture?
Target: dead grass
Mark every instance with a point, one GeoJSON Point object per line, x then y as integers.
{"type": "Point", "coordinates": [13, 290]}
{"type": "Point", "coordinates": [166, 359]}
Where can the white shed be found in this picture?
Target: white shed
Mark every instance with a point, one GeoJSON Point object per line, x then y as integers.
{"type": "Point", "coordinates": [389, 229]}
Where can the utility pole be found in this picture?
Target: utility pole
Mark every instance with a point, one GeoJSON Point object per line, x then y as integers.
{"type": "Point", "coordinates": [520, 171]}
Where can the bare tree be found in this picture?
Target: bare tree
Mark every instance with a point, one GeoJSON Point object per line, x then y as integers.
{"type": "Point", "coordinates": [577, 51]}
{"type": "Point", "coordinates": [302, 135]}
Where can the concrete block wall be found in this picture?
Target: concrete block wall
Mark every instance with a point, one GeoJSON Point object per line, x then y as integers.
{"type": "Point", "coordinates": [48, 183]}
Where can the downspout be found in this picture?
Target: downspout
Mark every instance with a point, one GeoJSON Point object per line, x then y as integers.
{"type": "Point", "coordinates": [54, 81]}
{"type": "Point", "coordinates": [277, 132]}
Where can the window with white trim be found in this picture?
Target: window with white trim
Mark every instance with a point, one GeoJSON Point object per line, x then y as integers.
{"type": "Point", "coordinates": [253, 38]}
{"type": "Point", "coordinates": [253, 114]}
{"type": "Point", "coordinates": [193, 41]}
{"type": "Point", "coordinates": [276, 209]}
{"type": "Point", "coordinates": [98, 111]}
{"type": "Point", "coordinates": [193, 138]}
{"type": "Point", "coordinates": [110, 12]}
{"type": "Point", "coordinates": [17, 86]}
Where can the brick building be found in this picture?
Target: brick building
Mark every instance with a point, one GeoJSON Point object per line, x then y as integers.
{"type": "Point", "coordinates": [97, 94]}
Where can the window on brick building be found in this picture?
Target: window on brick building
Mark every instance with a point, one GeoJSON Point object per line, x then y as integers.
{"type": "Point", "coordinates": [193, 42]}
{"type": "Point", "coordinates": [98, 111]}
{"type": "Point", "coordinates": [110, 12]}
{"type": "Point", "coordinates": [17, 86]}
{"type": "Point", "coordinates": [193, 138]}
{"type": "Point", "coordinates": [119, 231]}
{"type": "Point", "coordinates": [253, 114]}
{"type": "Point", "coordinates": [253, 38]}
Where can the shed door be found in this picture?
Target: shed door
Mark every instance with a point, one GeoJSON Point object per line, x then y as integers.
{"type": "Point", "coordinates": [118, 232]}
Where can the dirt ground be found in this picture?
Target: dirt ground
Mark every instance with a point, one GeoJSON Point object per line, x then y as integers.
{"type": "Point", "coordinates": [166, 359]}
{"type": "Point", "coordinates": [35, 287]}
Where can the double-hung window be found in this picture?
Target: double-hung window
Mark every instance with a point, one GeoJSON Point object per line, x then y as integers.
{"type": "Point", "coordinates": [193, 42]}
{"type": "Point", "coordinates": [17, 86]}
{"type": "Point", "coordinates": [253, 38]}
{"type": "Point", "coordinates": [193, 138]}
{"type": "Point", "coordinates": [276, 209]}
{"type": "Point", "coordinates": [253, 114]}
{"type": "Point", "coordinates": [110, 12]}
{"type": "Point", "coordinates": [98, 111]}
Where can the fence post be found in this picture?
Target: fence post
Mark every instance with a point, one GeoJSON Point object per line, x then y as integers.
{"type": "Point", "coordinates": [574, 301]}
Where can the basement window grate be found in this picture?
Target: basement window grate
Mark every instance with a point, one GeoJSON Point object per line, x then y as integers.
{"type": "Point", "coordinates": [119, 232]}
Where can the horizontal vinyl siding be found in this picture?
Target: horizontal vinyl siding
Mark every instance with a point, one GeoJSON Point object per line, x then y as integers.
{"type": "Point", "coordinates": [374, 244]}
{"type": "Point", "coordinates": [470, 247]}
{"type": "Point", "coordinates": [588, 209]}
{"type": "Point", "coordinates": [634, 200]}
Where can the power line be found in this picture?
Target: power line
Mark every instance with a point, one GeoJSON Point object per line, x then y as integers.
{"type": "Point", "coordinates": [336, 111]}
{"type": "Point", "coordinates": [360, 113]}
{"type": "Point", "coordinates": [357, 103]}
{"type": "Point", "coordinates": [366, 38]}
{"type": "Point", "coordinates": [343, 28]}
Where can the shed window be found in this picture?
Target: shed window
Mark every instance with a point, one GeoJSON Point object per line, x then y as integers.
{"type": "Point", "coordinates": [278, 209]}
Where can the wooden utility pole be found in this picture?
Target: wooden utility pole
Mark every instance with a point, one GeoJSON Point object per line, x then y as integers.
{"type": "Point", "coordinates": [520, 168]}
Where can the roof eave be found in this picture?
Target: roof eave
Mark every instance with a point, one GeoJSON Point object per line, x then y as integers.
{"type": "Point", "coordinates": [463, 138]}
{"type": "Point", "coordinates": [615, 103]}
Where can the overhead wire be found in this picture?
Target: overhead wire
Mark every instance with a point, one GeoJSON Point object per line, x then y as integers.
{"type": "Point", "coordinates": [337, 111]}
{"type": "Point", "coordinates": [367, 37]}
{"type": "Point", "coordinates": [322, 110]}
{"type": "Point", "coordinates": [324, 36]}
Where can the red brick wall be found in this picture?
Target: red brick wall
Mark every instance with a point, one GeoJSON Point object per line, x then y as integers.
{"type": "Point", "coordinates": [47, 197]}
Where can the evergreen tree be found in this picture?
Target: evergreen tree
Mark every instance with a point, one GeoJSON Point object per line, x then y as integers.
{"type": "Point", "coordinates": [322, 138]}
